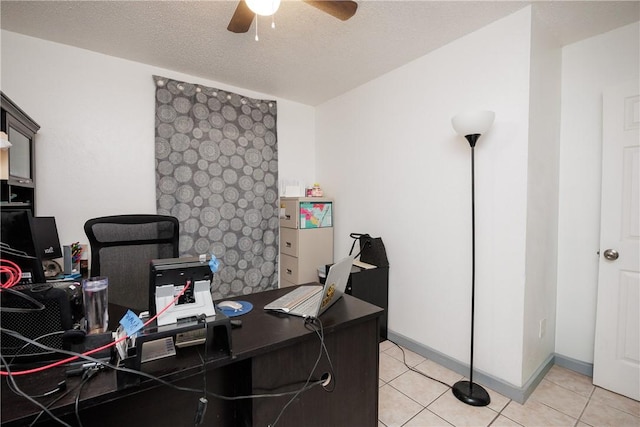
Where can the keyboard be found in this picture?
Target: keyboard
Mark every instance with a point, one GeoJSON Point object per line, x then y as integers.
{"type": "Point", "coordinates": [294, 298]}
{"type": "Point", "coordinates": [309, 307]}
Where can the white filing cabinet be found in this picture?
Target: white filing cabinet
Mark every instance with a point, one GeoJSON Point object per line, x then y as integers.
{"type": "Point", "coordinates": [306, 238]}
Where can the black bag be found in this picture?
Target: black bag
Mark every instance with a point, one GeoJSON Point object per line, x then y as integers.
{"type": "Point", "coordinates": [372, 249]}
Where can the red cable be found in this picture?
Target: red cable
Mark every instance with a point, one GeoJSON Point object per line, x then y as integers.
{"type": "Point", "coordinates": [13, 272]}
{"type": "Point", "coordinates": [95, 350]}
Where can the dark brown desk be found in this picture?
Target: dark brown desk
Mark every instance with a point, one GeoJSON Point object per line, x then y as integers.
{"type": "Point", "coordinates": [271, 354]}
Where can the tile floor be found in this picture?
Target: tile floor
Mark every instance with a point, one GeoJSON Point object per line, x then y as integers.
{"type": "Point", "coordinates": [563, 398]}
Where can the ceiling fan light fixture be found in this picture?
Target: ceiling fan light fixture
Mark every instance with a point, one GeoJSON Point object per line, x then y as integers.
{"type": "Point", "coordinates": [263, 7]}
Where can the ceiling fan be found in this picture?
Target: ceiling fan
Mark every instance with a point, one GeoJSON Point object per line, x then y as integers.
{"type": "Point", "coordinates": [341, 9]}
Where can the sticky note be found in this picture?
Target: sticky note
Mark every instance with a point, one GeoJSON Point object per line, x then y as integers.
{"type": "Point", "coordinates": [131, 323]}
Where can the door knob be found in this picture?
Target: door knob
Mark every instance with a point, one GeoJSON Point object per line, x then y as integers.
{"type": "Point", "coordinates": [611, 254]}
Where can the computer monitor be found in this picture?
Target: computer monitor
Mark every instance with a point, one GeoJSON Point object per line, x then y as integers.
{"type": "Point", "coordinates": [46, 238]}
{"type": "Point", "coordinates": [17, 231]}
{"type": "Point", "coordinates": [17, 234]}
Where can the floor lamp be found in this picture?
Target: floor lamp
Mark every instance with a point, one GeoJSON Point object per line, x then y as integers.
{"type": "Point", "coordinates": [471, 125]}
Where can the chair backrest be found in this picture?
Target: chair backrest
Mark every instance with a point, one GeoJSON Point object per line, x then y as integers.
{"type": "Point", "coordinates": [122, 247]}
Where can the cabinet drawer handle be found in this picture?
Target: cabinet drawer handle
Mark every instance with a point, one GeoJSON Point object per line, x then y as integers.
{"type": "Point", "coordinates": [289, 271]}
{"type": "Point", "coordinates": [287, 244]}
{"type": "Point", "coordinates": [287, 217]}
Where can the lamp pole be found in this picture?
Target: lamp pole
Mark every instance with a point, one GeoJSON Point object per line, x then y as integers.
{"type": "Point", "coordinates": [468, 391]}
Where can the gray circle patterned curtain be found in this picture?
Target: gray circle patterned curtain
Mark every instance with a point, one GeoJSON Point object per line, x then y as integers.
{"type": "Point", "coordinates": [217, 172]}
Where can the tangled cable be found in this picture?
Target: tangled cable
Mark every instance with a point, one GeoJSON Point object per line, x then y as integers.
{"type": "Point", "coordinates": [95, 350]}
{"type": "Point", "coordinates": [12, 272]}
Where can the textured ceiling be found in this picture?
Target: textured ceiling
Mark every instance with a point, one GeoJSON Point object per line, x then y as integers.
{"type": "Point", "coordinates": [309, 57]}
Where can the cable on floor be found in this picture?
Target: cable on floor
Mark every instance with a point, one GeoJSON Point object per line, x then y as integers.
{"type": "Point", "coordinates": [411, 368]}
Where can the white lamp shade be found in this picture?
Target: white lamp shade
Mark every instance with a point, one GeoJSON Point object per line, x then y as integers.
{"type": "Point", "coordinates": [263, 7]}
{"type": "Point", "coordinates": [473, 122]}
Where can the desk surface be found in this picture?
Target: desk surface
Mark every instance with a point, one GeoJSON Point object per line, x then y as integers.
{"type": "Point", "coordinates": [262, 332]}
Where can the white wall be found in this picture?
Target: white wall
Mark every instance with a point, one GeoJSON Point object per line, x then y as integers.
{"type": "Point", "coordinates": [388, 154]}
{"type": "Point", "coordinates": [95, 149]}
{"type": "Point", "coordinates": [542, 199]}
{"type": "Point", "coordinates": [587, 67]}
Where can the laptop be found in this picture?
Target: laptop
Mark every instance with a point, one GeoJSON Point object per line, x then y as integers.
{"type": "Point", "coordinates": [312, 300]}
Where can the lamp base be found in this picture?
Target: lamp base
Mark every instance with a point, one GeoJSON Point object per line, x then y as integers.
{"type": "Point", "coordinates": [471, 393]}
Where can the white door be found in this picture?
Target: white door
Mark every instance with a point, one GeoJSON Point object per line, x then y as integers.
{"type": "Point", "coordinates": [616, 365]}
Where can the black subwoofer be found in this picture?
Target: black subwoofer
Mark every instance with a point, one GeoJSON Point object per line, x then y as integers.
{"type": "Point", "coordinates": [44, 324]}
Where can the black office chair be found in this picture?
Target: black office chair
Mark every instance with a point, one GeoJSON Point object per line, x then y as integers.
{"type": "Point", "coordinates": [122, 247]}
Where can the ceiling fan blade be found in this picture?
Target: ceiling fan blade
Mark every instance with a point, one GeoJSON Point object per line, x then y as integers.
{"type": "Point", "coordinates": [341, 9]}
{"type": "Point", "coordinates": [241, 19]}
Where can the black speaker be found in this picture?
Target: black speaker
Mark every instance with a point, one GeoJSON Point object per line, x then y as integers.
{"type": "Point", "coordinates": [43, 324]}
{"type": "Point", "coordinates": [45, 237]}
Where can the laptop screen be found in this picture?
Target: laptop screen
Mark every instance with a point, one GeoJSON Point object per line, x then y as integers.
{"type": "Point", "coordinates": [336, 282]}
